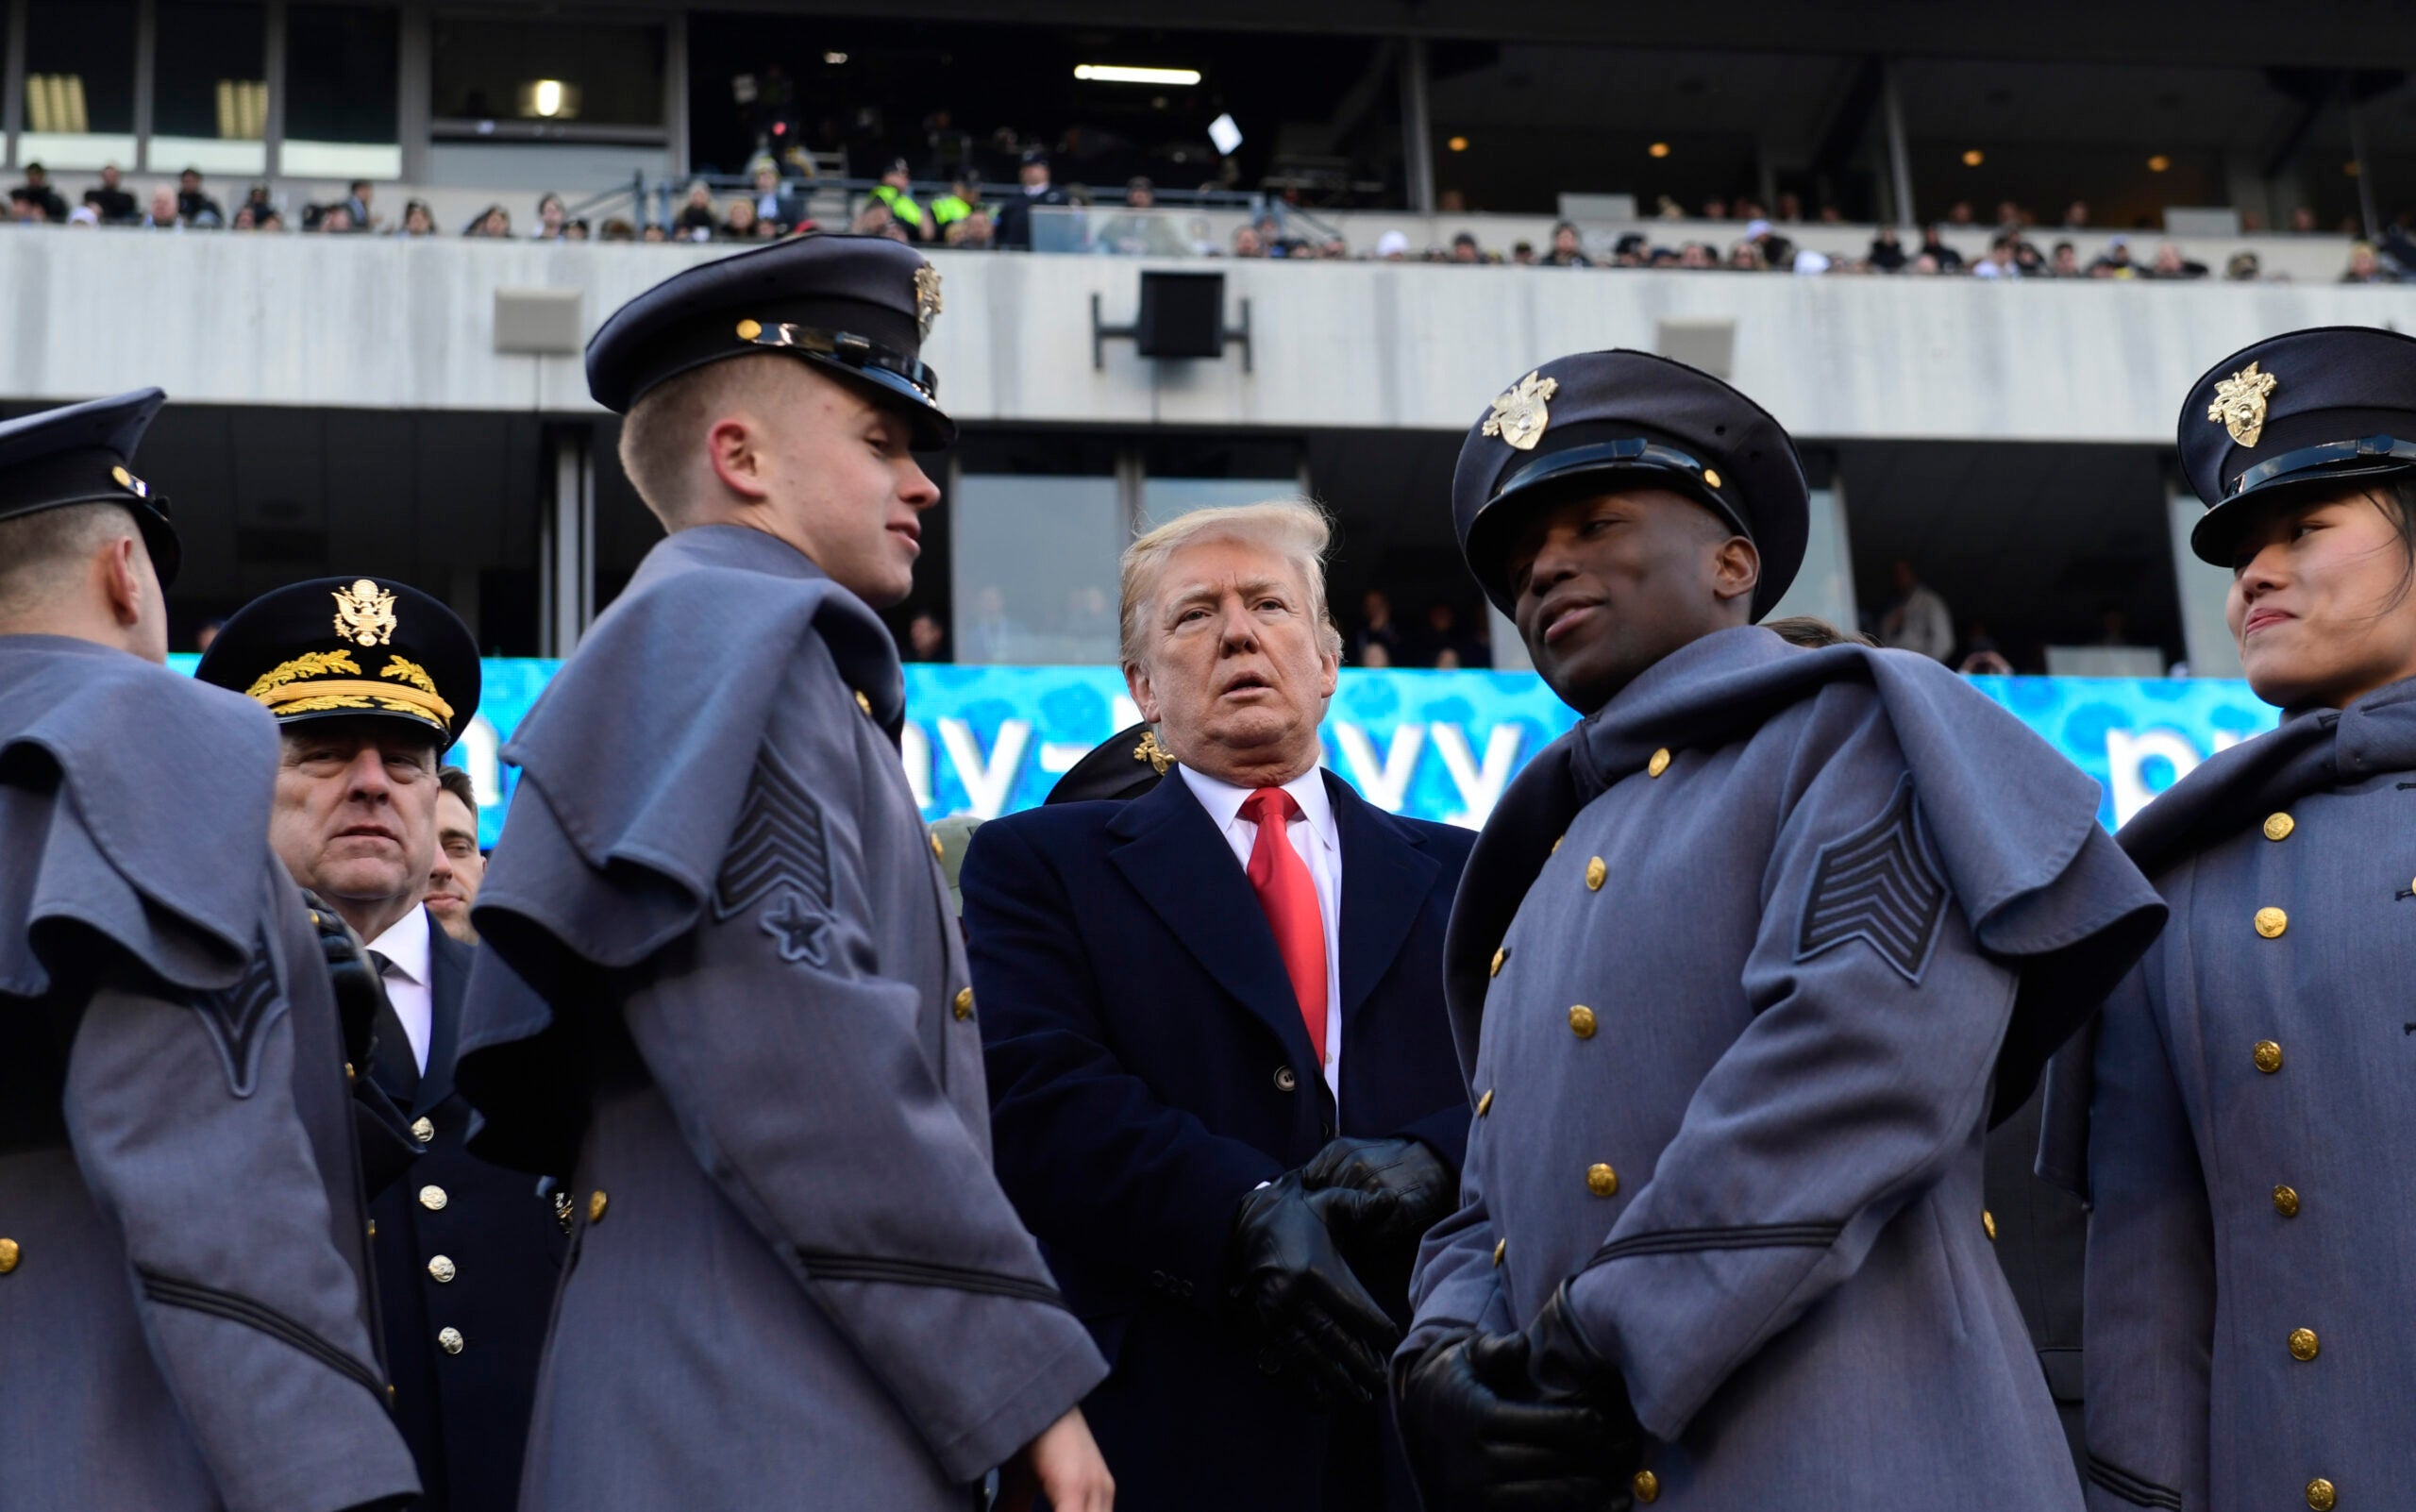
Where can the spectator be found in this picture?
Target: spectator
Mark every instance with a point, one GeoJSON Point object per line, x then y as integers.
{"type": "Point", "coordinates": [896, 190]}
{"type": "Point", "coordinates": [653, 233]}
{"type": "Point", "coordinates": [1246, 243]}
{"type": "Point", "coordinates": [1831, 215]}
{"type": "Point", "coordinates": [964, 197]}
{"type": "Point", "coordinates": [1790, 206]}
{"type": "Point", "coordinates": [1463, 248]}
{"type": "Point", "coordinates": [418, 220]}
{"type": "Point", "coordinates": [2364, 266]}
{"type": "Point", "coordinates": [2115, 261]}
{"type": "Point", "coordinates": [2076, 216]}
{"type": "Point", "coordinates": [616, 228]}
{"type": "Point", "coordinates": [1015, 217]}
{"type": "Point", "coordinates": [574, 231]}
{"type": "Point", "coordinates": [926, 638]}
{"type": "Point", "coordinates": [257, 201]}
{"type": "Point", "coordinates": [1568, 249]}
{"type": "Point", "coordinates": [1139, 193]}
{"type": "Point", "coordinates": [2303, 220]}
{"type": "Point", "coordinates": [741, 225]}
{"type": "Point", "coordinates": [1271, 239]}
{"type": "Point", "coordinates": [696, 221]}
{"type": "Point", "coordinates": [26, 212]}
{"type": "Point", "coordinates": [83, 215]}
{"type": "Point", "coordinates": [1393, 247]}
{"type": "Point", "coordinates": [1934, 246]}
{"type": "Point", "coordinates": [1697, 254]}
{"type": "Point", "coordinates": [1523, 254]}
{"type": "Point", "coordinates": [1444, 637]}
{"type": "Point", "coordinates": [2066, 264]}
{"type": "Point", "coordinates": [873, 220]}
{"type": "Point", "coordinates": [109, 199]}
{"type": "Point", "coordinates": [1375, 658]}
{"type": "Point", "coordinates": [772, 205]}
{"type": "Point", "coordinates": [550, 215]}
{"type": "Point", "coordinates": [1918, 621]}
{"type": "Point", "coordinates": [1999, 260]}
{"type": "Point", "coordinates": [36, 191]}
{"type": "Point", "coordinates": [971, 232]}
{"type": "Point", "coordinates": [273, 221]}
{"type": "Point", "coordinates": [1746, 257]}
{"type": "Point", "coordinates": [1630, 250]}
{"type": "Point", "coordinates": [1887, 253]}
{"type": "Point", "coordinates": [1376, 632]}
{"type": "Point", "coordinates": [2170, 263]}
{"type": "Point", "coordinates": [1714, 209]}
{"type": "Point", "coordinates": [193, 206]}
{"type": "Point", "coordinates": [1925, 266]}
{"type": "Point", "coordinates": [163, 215]}
{"type": "Point", "coordinates": [2243, 268]}
{"type": "Point", "coordinates": [355, 204]}
{"type": "Point", "coordinates": [335, 218]}
{"type": "Point", "coordinates": [492, 222]}
{"type": "Point", "coordinates": [454, 886]}
{"type": "Point", "coordinates": [1959, 214]}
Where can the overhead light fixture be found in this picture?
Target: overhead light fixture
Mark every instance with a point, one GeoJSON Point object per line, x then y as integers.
{"type": "Point", "coordinates": [834, 60]}
{"type": "Point", "coordinates": [1119, 74]}
{"type": "Point", "coordinates": [1974, 157]}
{"type": "Point", "coordinates": [549, 99]}
{"type": "Point", "coordinates": [1225, 134]}
{"type": "Point", "coordinates": [2352, 168]}
{"type": "Point", "coordinates": [1457, 144]}
{"type": "Point", "coordinates": [2158, 163]}
{"type": "Point", "coordinates": [1659, 149]}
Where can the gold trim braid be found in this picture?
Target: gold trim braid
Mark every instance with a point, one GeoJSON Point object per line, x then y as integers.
{"type": "Point", "coordinates": [402, 701]}
{"type": "Point", "coordinates": [310, 664]}
{"type": "Point", "coordinates": [410, 671]}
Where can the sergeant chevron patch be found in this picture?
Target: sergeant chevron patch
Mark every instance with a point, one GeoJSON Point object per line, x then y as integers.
{"type": "Point", "coordinates": [1878, 885]}
{"type": "Point", "coordinates": [779, 851]}
{"type": "Point", "coordinates": [237, 1019]}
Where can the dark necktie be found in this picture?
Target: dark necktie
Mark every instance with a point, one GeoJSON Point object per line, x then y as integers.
{"type": "Point", "coordinates": [394, 1065]}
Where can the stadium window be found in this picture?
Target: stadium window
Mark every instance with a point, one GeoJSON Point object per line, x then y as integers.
{"type": "Point", "coordinates": [343, 114]}
{"type": "Point", "coordinates": [209, 89]}
{"type": "Point", "coordinates": [79, 84]}
{"type": "Point", "coordinates": [1035, 524]}
{"type": "Point", "coordinates": [512, 77]}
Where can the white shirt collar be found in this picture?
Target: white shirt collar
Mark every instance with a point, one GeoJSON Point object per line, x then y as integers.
{"type": "Point", "coordinates": [1224, 801]}
{"type": "Point", "coordinates": [405, 944]}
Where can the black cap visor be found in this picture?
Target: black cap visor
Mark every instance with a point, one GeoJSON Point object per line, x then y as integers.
{"type": "Point", "coordinates": [1580, 472]}
{"type": "Point", "coordinates": [2294, 478]}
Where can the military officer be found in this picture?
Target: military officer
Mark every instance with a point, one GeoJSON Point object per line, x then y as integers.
{"type": "Point", "coordinates": [370, 680]}
{"type": "Point", "coordinates": [183, 1317]}
{"type": "Point", "coordinates": [718, 976]}
{"type": "Point", "coordinates": [1740, 969]}
{"type": "Point", "coordinates": [2245, 1137]}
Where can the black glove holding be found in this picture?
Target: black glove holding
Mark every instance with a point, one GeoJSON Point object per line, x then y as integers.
{"type": "Point", "coordinates": [1315, 1319]}
{"type": "Point", "coordinates": [1422, 1187]}
{"type": "Point", "coordinates": [1536, 1421]}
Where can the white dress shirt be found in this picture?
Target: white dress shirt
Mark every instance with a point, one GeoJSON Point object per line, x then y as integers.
{"type": "Point", "coordinates": [407, 951]}
{"type": "Point", "coordinates": [1320, 845]}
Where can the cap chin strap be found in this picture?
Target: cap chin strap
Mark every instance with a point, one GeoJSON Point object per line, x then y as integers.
{"type": "Point", "coordinates": [1629, 451]}
{"type": "Point", "coordinates": [840, 346]}
{"type": "Point", "coordinates": [2317, 458]}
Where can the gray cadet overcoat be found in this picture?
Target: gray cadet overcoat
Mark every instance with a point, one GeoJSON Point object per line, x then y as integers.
{"type": "Point", "coordinates": [721, 987]}
{"type": "Point", "coordinates": [1738, 970]}
{"type": "Point", "coordinates": [2248, 1119]}
{"type": "Point", "coordinates": [183, 1324]}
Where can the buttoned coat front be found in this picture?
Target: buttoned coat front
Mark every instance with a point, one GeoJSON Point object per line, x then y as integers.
{"type": "Point", "coordinates": [1735, 1048]}
{"type": "Point", "coordinates": [2250, 1136]}
{"type": "Point", "coordinates": [719, 982]}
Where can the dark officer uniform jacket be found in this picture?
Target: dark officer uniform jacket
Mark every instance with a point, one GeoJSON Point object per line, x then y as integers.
{"type": "Point", "coordinates": [1149, 1067]}
{"type": "Point", "coordinates": [468, 1255]}
{"type": "Point", "coordinates": [1739, 966]}
{"type": "Point", "coordinates": [720, 981]}
{"type": "Point", "coordinates": [183, 1309]}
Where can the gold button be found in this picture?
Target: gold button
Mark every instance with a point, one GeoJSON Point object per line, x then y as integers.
{"type": "Point", "coordinates": [2302, 1345]}
{"type": "Point", "coordinates": [348, 1073]}
{"type": "Point", "coordinates": [2278, 826]}
{"type": "Point", "coordinates": [10, 1252]}
{"type": "Point", "coordinates": [596, 1203]}
{"type": "Point", "coordinates": [1484, 1103]}
{"type": "Point", "coordinates": [2268, 1056]}
{"type": "Point", "coordinates": [1498, 957]}
{"type": "Point", "coordinates": [442, 1268]}
{"type": "Point", "coordinates": [1286, 1080]}
{"type": "Point", "coordinates": [1646, 1486]}
{"type": "Point", "coordinates": [1581, 1021]}
{"type": "Point", "coordinates": [1659, 764]}
{"type": "Point", "coordinates": [1555, 843]}
{"type": "Point", "coordinates": [964, 1003]}
{"type": "Point", "coordinates": [2286, 1202]}
{"type": "Point", "coordinates": [451, 1340]}
{"type": "Point", "coordinates": [372, 1228]}
{"type": "Point", "coordinates": [863, 702]}
{"type": "Point", "coordinates": [1595, 872]}
{"type": "Point", "coordinates": [423, 1130]}
{"type": "Point", "coordinates": [433, 1199]}
{"type": "Point", "coordinates": [1499, 1246]}
{"type": "Point", "coordinates": [2271, 922]}
{"type": "Point", "coordinates": [749, 330]}
{"type": "Point", "coordinates": [937, 853]}
{"type": "Point", "coordinates": [1602, 1181]}
{"type": "Point", "coordinates": [2321, 1497]}
{"type": "Point", "coordinates": [1988, 1224]}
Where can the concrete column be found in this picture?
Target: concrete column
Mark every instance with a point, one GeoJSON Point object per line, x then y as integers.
{"type": "Point", "coordinates": [675, 96]}
{"type": "Point", "coordinates": [273, 69]}
{"type": "Point", "coordinates": [414, 88]}
{"type": "Point", "coordinates": [146, 78]}
{"type": "Point", "coordinates": [1900, 155]}
{"type": "Point", "coordinates": [1416, 128]}
{"type": "Point", "coordinates": [12, 86]}
{"type": "Point", "coordinates": [566, 542]}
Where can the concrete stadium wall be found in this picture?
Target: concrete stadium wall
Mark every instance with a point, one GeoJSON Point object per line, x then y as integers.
{"type": "Point", "coordinates": [382, 324]}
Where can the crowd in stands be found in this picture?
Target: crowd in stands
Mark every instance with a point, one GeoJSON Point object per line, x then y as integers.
{"type": "Point", "coordinates": [776, 206]}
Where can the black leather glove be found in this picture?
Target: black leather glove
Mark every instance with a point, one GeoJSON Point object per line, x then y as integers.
{"type": "Point", "coordinates": [1422, 1187]}
{"type": "Point", "coordinates": [1536, 1421]}
{"type": "Point", "coordinates": [1315, 1321]}
{"type": "Point", "coordinates": [360, 995]}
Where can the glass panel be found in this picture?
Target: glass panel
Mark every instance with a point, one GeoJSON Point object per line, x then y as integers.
{"type": "Point", "coordinates": [342, 110]}
{"type": "Point", "coordinates": [1035, 569]}
{"type": "Point", "coordinates": [593, 73]}
{"type": "Point", "coordinates": [79, 83]}
{"type": "Point", "coordinates": [209, 98]}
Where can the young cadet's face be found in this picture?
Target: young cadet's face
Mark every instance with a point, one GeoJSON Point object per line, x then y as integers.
{"type": "Point", "coordinates": [845, 487]}
{"type": "Point", "coordinates": [2320, 603]}
{"type": "Point", "coordinates": [1604, 586]}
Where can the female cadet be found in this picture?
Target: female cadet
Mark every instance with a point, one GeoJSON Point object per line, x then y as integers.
{"type": "Point", "coordinates": [2251, 1131]}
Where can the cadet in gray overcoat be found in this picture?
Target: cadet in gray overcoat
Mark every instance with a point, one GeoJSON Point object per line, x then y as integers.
{"type": "Point", "coordinates": [720, 981]}
{"type": "Point", "coordinates": [2245, 1123]}
{"type": "Point", "coordinates": [1739, 970]}
{"type": "Point", "coordinates": [182, 1279]}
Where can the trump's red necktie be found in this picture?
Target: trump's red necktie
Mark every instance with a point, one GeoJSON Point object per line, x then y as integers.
{"type": "Point", "coordinates": [1289, 896]}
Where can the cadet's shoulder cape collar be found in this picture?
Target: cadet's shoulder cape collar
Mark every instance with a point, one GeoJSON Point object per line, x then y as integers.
{"type": "Point", "coordinates": [741, 546]}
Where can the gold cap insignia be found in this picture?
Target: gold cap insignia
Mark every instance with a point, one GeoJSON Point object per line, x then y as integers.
{"type": "Point", "coordinates": [927, 299]}
{"type": "Point", "coordinates": [1518, 415]}
{"type": "Point", "coordinates": [365, 613]}
{"type": "Point", "coordinates": [2239, 403]}
{"type": "Point", "coordinates": [749, 330]}
{"type": "Point", "coordinates": [1149, 750]}
{"type": "Point", "coordinates": [132, 484]}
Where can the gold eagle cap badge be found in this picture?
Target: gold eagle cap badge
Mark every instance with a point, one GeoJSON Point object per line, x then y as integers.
{"type": "Point", "coordinates": [365, 614]}
{"type": "Point", "coordinates": [2239, 403]}
{"type": "Point", "coordinates": [1518, 415]}
{"type": "Point", "coordinates": [927, 299]}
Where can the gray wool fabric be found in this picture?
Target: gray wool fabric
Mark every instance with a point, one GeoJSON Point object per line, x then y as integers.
{"type": "Point", "coordinates": [2244, 1121]}
{"type": "Point", "coordinates": [722, 986]}
{"type": "Point", "coordinates": [1754, 1001]}
{"type": "Point", "coordinates": [185, 1325]}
